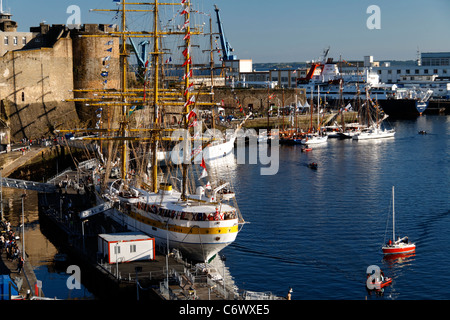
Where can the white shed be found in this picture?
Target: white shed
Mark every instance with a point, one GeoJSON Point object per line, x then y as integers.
{"type": "Point", "coordinates": [126, 247]}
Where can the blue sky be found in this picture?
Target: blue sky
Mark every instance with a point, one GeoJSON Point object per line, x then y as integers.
{"type": "Point", "coordinates": [292, 30]}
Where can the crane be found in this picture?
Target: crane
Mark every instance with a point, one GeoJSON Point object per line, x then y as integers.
{"type": "Point", "coordinates": [226, 48]}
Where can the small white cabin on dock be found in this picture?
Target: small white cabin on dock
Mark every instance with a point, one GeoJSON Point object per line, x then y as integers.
{"type": "Point", "coordinates": [126, 247]}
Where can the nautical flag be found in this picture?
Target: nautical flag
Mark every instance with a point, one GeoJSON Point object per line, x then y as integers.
{"type": "Point", "coordinates": [107, 58]}
{"type": "Point", "coordinates": [186, 51]}
{"type": "Point", "coordinates": [189, 74]}
{"type": "Point", "coordinates": [272, 96]}
{"type": "Point", "coordinates": [99, 109]}
{"type": "Point", "coordinates": [188, 36]}
{"type": "Point", "coordinates": [116, 0]}
{"type": "Point", "coordinates": [146, 63]}
{"type": "Point", "coordinates": [208, 186]}
{"type": "Point", "coordinates": [105, 82]}
{"type": "Point", "coordinates": [110, 43]}
{"type": "Point", "coordinates": [191, 114]}
{"type": "Point", "coordinates": [183, 1]}
{"type": "Point", "coordinates": [188, 61]}
{"type": "Point", "coordinates": [185, 25]}
{"type": "Point", "coordinates": [189, 89]}
{"type": "Point", "coordinates": [190, 101]}
{"type": "Point", "coordinates": [104, 74]}
{"type": "Point", "coordinates": [109, 49]}
{"type": "Point", "coordinates": [204, 174]}
{"type": "Point", "coordinates": [169, 60]}
{"type": "Point", "coordinates": [184, 12]}
{"type": "Point", "coordinates": [203, 164]}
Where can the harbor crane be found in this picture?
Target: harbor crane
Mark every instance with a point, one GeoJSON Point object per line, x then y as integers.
{"type": "Point", "coordinates": [226, 47]}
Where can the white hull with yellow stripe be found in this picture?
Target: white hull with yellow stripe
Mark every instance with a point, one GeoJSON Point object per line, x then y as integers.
{"type": "Point", "coordinates": [198, 227]}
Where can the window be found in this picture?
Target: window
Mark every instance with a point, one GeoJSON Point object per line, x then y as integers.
{"type": "Point", "coordinates": [23, 96]}
{"type": "Point", "coordinates": [116, 249]}
{"type": "Point", "coordinates": [399, 71]}
{"type": "Point", "coordinates": [407, 71]}
{"type": "Point", "coordinates": [132, 248]}
{"type": "Point", "coordinates": [417, 71]}
{"type": "Point", "coordinates": [24, 40]}
{"type": "Point", "coordinates": [6, 41]}
{"type": "Point", "coordinates": [15, 41]}
{"type": "Point", "coordinates": [435, 70]}
{"type": "Point", "coordinates": [425, 71]}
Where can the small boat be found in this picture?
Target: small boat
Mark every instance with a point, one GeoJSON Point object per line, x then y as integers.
{"type": "Point", "coordinates": [422, 132]}
{"type": "Point", "coordinates": [382, 282]}
{"type": "Point", "coordinates": [377, 282]}
{"type": "Point", "coordinates": [401, 245]}
{"type": "Point", "coordinates": [312, 165]}
{"type": "Point", "coordinates": [306, 149]}
{"type": "Point", "coordinates": [315, 139]}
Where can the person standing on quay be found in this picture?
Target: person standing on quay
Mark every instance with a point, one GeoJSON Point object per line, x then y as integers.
{"type": "Point", "coordinates": [20, 265]}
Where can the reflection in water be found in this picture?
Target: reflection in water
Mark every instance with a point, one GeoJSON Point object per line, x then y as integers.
{"type": "Point", "coordinates": [40, 251]}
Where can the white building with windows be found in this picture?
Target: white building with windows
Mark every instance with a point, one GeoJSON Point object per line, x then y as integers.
{"type": "Point", "coordinates": [126, 247]}
{"type": "Point", "coordinates": [10, 38]}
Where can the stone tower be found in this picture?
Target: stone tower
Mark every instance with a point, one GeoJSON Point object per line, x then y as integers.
{"type": "Point", "coordinates": [96, 57]}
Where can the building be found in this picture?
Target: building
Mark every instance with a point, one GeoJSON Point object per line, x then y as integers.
{"type": "Point", "coordinates": [10, 38]}
{"type": "Point", "coordinates": [126, 247]}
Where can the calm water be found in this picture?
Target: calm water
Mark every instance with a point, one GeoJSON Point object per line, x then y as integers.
{"type": "Point", "coordinates": [318, 231]}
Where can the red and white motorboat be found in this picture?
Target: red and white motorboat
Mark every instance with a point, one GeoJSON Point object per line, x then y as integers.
{"type": "Point", "coordinates": [401, 245]}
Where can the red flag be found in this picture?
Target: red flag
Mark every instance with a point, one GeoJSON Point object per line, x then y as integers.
{"type": "Point", "coordinates": [191, 114]}
{"type": "Point", "coordinates": [187, 36]}
{"type": "Point", "coordinates": [189, 74]}
{"type": "Point", "coordinates": [189, 88]}
{"type": "Point", "coordinates": [203, 164]}
{"type": "Point", "coordinates": [190, 101]}
{"type": "Point", "coordinates": [186, 51]}
{"type": "Point", "coordinates": [185, 25]}
{"type": "Point", "coordinates": [187, 61]}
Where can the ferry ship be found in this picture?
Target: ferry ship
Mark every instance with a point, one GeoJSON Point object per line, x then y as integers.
{"type": "Point", "coordinates": [336, 86]}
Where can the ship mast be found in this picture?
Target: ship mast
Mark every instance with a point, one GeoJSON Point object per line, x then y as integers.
{"type": "Point", "coordinates": [187, 98]}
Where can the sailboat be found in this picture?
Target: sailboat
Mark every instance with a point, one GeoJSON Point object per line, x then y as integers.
{"type": "Point", "coordinates": [315, 139]}
{"type": "Point", "coordinates": [374, 130]}
{"type": "Point", "coordinates": [401, 245]}
{"type": "Point", "coordinates": [198, 224]}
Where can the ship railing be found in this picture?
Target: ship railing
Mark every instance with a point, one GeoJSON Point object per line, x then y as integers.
{"type": "Point", "coordinates": [253, 295]}
{"type": "Point", "coordinates": [196, 278]}
{"type": "Point", "coordinates": [227, 292]}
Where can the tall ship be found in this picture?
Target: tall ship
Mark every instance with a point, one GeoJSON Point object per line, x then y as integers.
{"type": "Point", "coordinates": [177, 206]}
{"type": "Point", "coordinates": [347, 87]}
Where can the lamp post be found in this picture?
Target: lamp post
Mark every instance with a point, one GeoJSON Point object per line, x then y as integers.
{"type": "Point", "coordinates": [23, 227]}
{"type": "Point", "coordinates": [82, 232]}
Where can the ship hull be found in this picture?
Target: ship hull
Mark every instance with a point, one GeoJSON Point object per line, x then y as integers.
{"type": "Point", "coordinates": [400, 108]}
{"type": "Point", "coordinates": [211, 152]}
{"type": "Point", "coordinates": [196, 240]}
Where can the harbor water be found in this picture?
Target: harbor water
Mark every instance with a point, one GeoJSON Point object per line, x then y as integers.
{"type": "Point", "coordinates": [318, 231]}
